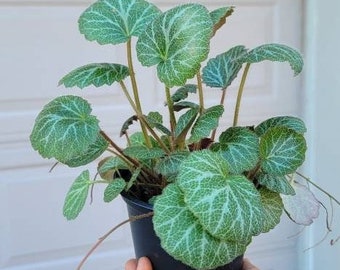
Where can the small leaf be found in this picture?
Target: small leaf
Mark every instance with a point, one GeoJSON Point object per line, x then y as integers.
{"type": "Point", "coordinates": [95, 74]}
{"type": "Point", "coordinates": [133, 178]}
{"type": "Point", "coordinates": [276, 52]}
{"type": "Point", "coordinates": [114, 22]}
{"type": "Point", "coordinates": [76, 196]}
{"type": "Point", "coordinates": [155, 120]}
{"type": "Point", "coordinates": [228, 206]}
{"type": "Point", "coordinates": [108, 167]}
{"type": "Point", "coordinates": [184, 123]}
{"type": "Point", "coordinates": [177, 42]}
{"type": "Point", "coordinates": [64, 129]}
{"type": "Point", "coordinates": [219, 16]}
{"type": "Point", "coordinates": [282, 151]}
{"type": "Point", "coordinates": [277, 184]}
{"type": "Point", "coordinates": [169, 165]}
{"type": "Point", "coordinates": [206, 123]}
{"type": "Point", "coordinates": [183, 92]}
{"type": "Point", "coordinates": [291, 122]}
{"type": "Point", "coordinates": [127, 124]}
{"type": "Point", "coordinates": [182, 105]}
{"type": "Point", "coordinates": [114, 189]}
{"type": "Point", "coordinates": [240, 147]}
{"type": "Point", "coordinates": [273, 208]}
{"type": "Point", "coordinates": [302, 207]}
{"type": "Point", "coordinates": [222, 70]}
{"type": "Point", "coordinates": [184, 238]}
{"type": "Point", "coordinates": [143, 152]}
{"type": "Point", "coordinates": [93, 152]}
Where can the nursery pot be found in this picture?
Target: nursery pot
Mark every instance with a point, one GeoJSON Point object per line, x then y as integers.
{"type": "Point", "coordinates": [146, 243]}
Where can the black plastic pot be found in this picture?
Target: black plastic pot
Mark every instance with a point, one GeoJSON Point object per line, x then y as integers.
{"type": "Point", "coordinates": [146, 243]}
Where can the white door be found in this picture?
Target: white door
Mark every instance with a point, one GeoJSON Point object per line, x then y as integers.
{"type": "Point", "coordinates": [39, 43]}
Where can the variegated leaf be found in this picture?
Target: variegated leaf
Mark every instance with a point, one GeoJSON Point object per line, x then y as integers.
{"type": "Point", "coordinates": [277, 184]}
{"type": "Point", "coordinates": [114, 189]}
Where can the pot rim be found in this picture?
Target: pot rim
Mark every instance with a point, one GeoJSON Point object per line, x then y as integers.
{"type": "Point", "coordinates": [136, 202]}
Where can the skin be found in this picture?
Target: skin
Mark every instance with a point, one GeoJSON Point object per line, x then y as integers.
{"type": "Point", "coordinates": [144, 264]}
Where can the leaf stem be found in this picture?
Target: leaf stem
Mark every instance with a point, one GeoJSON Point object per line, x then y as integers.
{"type": "Point", "coordinates": [101, 239]}
{"type": "Point", "coordinates": [224, 92]}
{"type": "Point", "coordinates": [135, 92]}
{"type": "Point", "coordinates": [172, 116]}
{"type": "Point", "coordinates": [239, 95]}
{"type": "Point", "coordinates": [200, 91]}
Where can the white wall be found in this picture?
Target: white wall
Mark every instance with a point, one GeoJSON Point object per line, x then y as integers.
{"type": "Point", "coordinates": [321, 104]}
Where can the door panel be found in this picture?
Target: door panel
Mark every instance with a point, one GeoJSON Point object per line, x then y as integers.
{"type": "Point", "coordinates": [39, 44]}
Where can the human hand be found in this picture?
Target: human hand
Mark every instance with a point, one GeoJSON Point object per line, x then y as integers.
{"type": "Point", "coordinates": [141, 264]}
{"type": "Point", "coordinates": [145, 264]}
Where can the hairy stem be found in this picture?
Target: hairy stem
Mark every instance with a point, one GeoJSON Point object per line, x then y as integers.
{"type": "Point", "coordinates": [171, 114]}
{"type": "Point", "coordinates": [240, 93]}
{"type": "Point", "coordinates": [135, 93]}
{"type": "Point", "coordinates": [101, 239]}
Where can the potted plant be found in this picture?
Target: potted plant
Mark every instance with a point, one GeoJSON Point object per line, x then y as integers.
{"type": "Point", "coordinates": [209, 191]}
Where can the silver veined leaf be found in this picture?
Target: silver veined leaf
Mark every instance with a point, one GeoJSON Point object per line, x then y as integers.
{"type": "Point", "coordinates": [177, 42]}
{"type": "Point", "coordinates": [114, 22]}
{"type": "Point", "coordinates": [277, 184]}
{"type": "Point", "coordinates": [282, 151]}
{"type": "Point", "coordinates": [76, 196]}
{"type": "Point", "coordinates": [228, 206]}
{"type": "Point", "coordinates": [276, 52]}
{"type": "Point", "coordinates": [64, 129]}
{"type": "Point", "coordinates": [114, 189]}
{"type": "Point", "coordinates": [96, 74]}
{"type": "Point", "coordinates": [219, 16]}
{"type": "Point", "coordinates": [184, 238]}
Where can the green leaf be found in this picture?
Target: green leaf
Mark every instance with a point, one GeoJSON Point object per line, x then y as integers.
{"type": "Point", "coordinates": [169, 165]}
{"type": "Point", "coordinates": [114, 22]}
{"type": "Point", "coordinates": [291, 122]}
{"type": "Point", "coordinates": [93, 152]}
{"type": "Point", "coordinates": [155, 120]}
{"type": "Point", "coordinates": [222, 70]}
{"type": "Point", "coordinates": [219, 16]}
{"type": "Point", "coordinates": [273, 208]}
{"type": "Point", "coordinates": [206, 123]}
{"type": "Point", "coordinates": [276, 52]}
{"type": "Point", "coordinates": [277, 184]}
{"type": "Point", "coordinates": [184, 238]}
{"type": "Point", "coordinates": [114, 189]}
{"type": "Point", "coordinates": [184, 123]}
{"type": "Point", "coordinates": [177, 42]}
{"type": "Point", "coordinates": [282, 151]}
{"type": "Point", "coordinates": [143, 152]}
{"type": "Point", "coordinates": [183, 92]}
{"type": "Point", "coordinates": [64, 129]}
{"type": "Point", "coordinates": [228, 206]}
{"type": "Point", "coordinates": [302, 207]}
{"type": "Point", "coordinates": [95, 74]}
{"type": "Point", "coordinates": [133, 178]}
{"type": "Point", "coordinates": [76, 196]}
{"type": "Point", "coordinates": [240, 147]}
{"type": "Point", "coordinates": [108, 167]}
{"type": "Point", "coordinates": [127, 124]}
{"type": "Point", "coordinates": [182, 105]}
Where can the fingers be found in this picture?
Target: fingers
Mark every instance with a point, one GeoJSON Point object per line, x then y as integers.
{"type": "Point", "coordinates": [248, 266]}
{"type": "Point", "coordinates": [142, 264]}
{"type": "Point", "coordinates": [131, 264]}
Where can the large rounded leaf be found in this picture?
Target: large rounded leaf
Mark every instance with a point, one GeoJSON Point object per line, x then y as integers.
{"type": "Point", "coordinates": [64, 129]}
{"type": "Point", "coordinates": [177, 41]}
{"type": "Point", "coordinates": [282, 151]}
{"type": "Point", "coordinates": [291, 122]}
{"type": "Point", "coordinates": [96, 74]}
{"type": "Point", "coordinates": [228, 206]}
{"type": "Point", "coordinates": [240, 147]}
{"type": "Point", "coordinates": [114, 21]}
{"type": "Point", "coordinates": [184, 238]}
